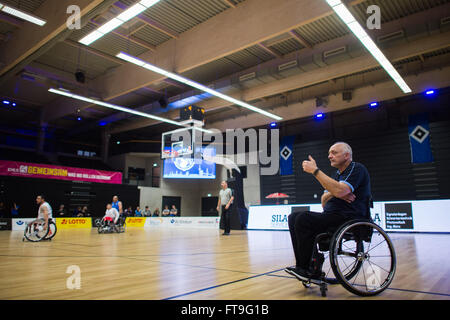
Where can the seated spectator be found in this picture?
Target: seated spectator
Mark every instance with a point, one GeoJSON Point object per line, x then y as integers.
{"type": "Point", "coordinates": [62, 211]}
{"type": "Point", "coordinates": [156, 213]}
{"type": "Point", "coordinates": [166, 211]}
{"type": "Point", "coordinates": [76, 212]}
{"type": "Point", "coordinates": [173, 211]}
{"type": "Point", "coordinates": [137, 212]}
{"type": "Point", "coordinates": [15, 210]}
{"type": "Point", "coordinates": [128, 212]}
{"type": "Point", "coordinates": [85, 212]}
{"type": "Point", "coordinates": [147, 212]}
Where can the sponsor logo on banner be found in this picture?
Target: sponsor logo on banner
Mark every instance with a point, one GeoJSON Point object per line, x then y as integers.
{"type": "Point", "coordinates": [279, 221]}
{"type": "Point", "coordinates": [192, 222]}
{"type": "Point", "coordinates": [70, 223]}
{"type": "Point", "coordinates": [154, 221]}
{"type": "Point", "coordinates": [207, 222]}
{"type": "Point", "coordinates": [399, 215]}
{"type": "Point", "coordinates": [135, 222]}
{"type": "Point", "coordinates": [20, 224]}
{"type": "Point", "coordinates": [180, 221]}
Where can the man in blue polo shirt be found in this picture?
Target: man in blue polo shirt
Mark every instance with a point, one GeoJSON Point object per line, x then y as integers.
{"type": "Point", "coordinates": [346, 197]}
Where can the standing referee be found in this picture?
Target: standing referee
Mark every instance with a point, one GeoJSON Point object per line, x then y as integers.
{"type": "Point", "coordinates": [225, 200]}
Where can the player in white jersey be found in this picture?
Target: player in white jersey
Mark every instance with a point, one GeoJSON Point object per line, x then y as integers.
{"type": "Point", "coordinates": [111, 214]}
{"type": "Point", "coordinates": [44, 212]}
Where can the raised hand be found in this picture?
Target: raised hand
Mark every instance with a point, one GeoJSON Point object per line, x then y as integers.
{"type": "Point", "coordinates": [310, 165]}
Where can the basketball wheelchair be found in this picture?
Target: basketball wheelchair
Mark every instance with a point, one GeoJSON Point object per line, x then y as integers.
{"type": "Point", "coordinates": [359, 255]}
{"type": "Point", "coordinates": [35, 232]}
{"type": "Point", "coordinates": [111, 227]}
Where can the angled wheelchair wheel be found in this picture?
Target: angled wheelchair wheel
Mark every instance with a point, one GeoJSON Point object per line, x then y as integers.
{"type": "Point", "coordinates": [362, 257]}
{"type": "Point", "coordinates": [35, 232]}
{"type": "Point", "coordinates": [98, 222]}
{"type": "Point", "coordinates": [122, 228]}
{"type": "Point", "coordinates": [100, 227]}
{"type": "Point", "coordinates": [51, 231]}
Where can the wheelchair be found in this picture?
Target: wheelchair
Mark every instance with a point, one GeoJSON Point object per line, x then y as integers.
{"type": "Point", "coordinates": [359, 255]}
{"type": "Point", "coordinates": [35, 232]}
{"type": "Point", "coordinates": [110, 227]}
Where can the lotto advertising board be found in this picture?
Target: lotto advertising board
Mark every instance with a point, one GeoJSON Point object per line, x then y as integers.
{"type": "Point", "coordinates": [73, 223]}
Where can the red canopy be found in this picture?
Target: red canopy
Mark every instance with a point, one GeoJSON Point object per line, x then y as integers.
{"type": "Point", "coordinates": [277, 195]}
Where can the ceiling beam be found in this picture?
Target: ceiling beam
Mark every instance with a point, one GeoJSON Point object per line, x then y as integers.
{"type": "Point", "coordinates": [93, 51]}
{"type": "Point", "coordinates": [138, 28]}
{"type": "Point", "coordinates": [300, 39]}
{"type": "Point", "coordinates": [131, 38]}
{"type": "Point", "coordinates": [269, 50]}
{"type": "Point", "coordinates": [150, 22]}
{"type": "Point", "coordinates": [229, 3]}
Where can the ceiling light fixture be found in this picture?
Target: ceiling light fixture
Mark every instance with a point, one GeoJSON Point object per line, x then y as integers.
{"type": "Point", "coordinates": [194, 84]}
{"type": "Point", "coordinates": [119, 108]}
{"type": "Point", "coordinates": [346, 16]}
{"type": "Point", "coordinates": [112, 106]}
{"type": "Point", "coordinates": [112, 24]}
{"type": "Point", "coordinates": [22, 15]}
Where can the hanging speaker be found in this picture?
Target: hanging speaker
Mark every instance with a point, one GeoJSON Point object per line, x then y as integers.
{"type": "Point", "coordinates": [163, 102]}
{"type": "Point", "coordinates": [80, 77]}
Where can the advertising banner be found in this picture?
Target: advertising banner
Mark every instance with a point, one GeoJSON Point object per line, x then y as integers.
{"type": "Point", "coordinates": [135, 222]}
{"type": "Point", "coordinates": [20, 224]}
{"type": "Point", "coordinates": [405, 216]}
{"type": "Point", "coordinates": [72, 223]}
{"type": "Point", "coordinates": [189, 222]}
{"type": "Point", "coordinates": [46, 171]}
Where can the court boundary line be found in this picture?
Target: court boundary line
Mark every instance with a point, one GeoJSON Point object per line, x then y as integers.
{"type": "Point", "coordinates": [269, 273]}
{"type": "Point", "coordinates": [389, 288]}
{"type": "Point", "coordinates": [220, 285]}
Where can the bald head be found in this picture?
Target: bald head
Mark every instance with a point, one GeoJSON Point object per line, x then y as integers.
{"type": "Point", "coordinates": [340, 154]}
{"type": "Point", "coordinates": [345, 147]}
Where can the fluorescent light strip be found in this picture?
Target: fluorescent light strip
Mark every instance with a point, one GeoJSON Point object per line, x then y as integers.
{"type": "Point", "coordinates": [346, 16]}
{"type": "Point", "coordinates": [66, 93]}
{"type": "Point", "coordinates": [112, 24]}
{"type": "Point", "coordinates": [194, 84]}
{"type": "Point", "coordinates": [22, 15]}
{"type": "Point", "coordinates": [112, 106]}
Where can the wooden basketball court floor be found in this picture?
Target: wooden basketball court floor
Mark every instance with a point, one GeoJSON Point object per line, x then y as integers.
{"type": "Point", "coordinates": [197, 264]}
